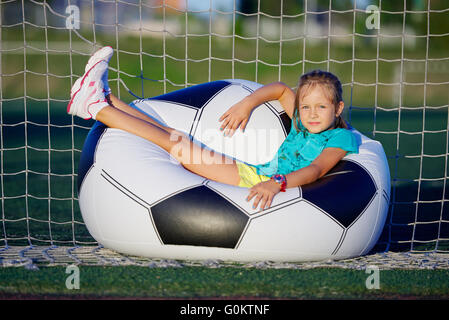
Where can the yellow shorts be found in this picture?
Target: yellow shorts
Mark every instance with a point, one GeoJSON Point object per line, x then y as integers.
{"type": "Point", "coordinates": [248, 175]}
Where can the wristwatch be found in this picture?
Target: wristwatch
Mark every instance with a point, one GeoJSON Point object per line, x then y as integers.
{"type": "Point", "coordinates": [281, 180]}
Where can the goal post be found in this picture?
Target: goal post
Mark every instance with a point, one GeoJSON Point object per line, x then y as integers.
{"type": "Point", "coordinates": [392, 58]}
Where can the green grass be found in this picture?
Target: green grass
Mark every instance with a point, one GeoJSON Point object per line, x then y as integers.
{"type": "Point", "coordinates": [201, 282]}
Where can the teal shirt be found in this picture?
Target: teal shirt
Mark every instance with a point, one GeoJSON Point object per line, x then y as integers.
{"type": "Point", "coordinates": [299, 149]}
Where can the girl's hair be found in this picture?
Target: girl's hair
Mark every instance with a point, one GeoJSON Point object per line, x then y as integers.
{"type": "Point", "coordinates": [332, 88]}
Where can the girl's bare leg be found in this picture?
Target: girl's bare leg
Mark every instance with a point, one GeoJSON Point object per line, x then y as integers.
{"type": "Point", "coordinates": [206, 163]}
{"type": "Point", "coordinates": [123, 106]}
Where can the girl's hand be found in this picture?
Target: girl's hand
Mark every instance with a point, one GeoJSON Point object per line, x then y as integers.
{"type": "Point", "coordinates": [264, 193]}
{"type": "Point", "coordinates": [236, 116]}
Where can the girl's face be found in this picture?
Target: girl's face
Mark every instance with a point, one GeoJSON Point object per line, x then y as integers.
{"type": "Point", "coordinates": [316, 110]}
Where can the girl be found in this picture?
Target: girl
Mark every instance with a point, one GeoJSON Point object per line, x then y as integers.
{"type": "Point", "coordinates": [317, 141]}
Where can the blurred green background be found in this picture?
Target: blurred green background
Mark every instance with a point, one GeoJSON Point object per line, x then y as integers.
{"type": "Point", "coordinates": [395, 81]}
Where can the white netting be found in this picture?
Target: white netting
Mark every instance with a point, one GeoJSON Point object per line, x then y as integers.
{"type": "Point", "coordinates": [395, 77]}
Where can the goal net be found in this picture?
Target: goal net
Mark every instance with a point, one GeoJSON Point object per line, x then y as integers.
{"type": "Point", "coordinates": [391, 56]}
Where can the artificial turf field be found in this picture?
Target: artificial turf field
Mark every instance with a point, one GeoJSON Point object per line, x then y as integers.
{"type": "Point", "coordinates": [137, 282]}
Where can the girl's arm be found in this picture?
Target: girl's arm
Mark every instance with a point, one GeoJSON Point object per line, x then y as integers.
{"type": "Point", "coordinates": [273, 91]}
{"type": "Point", "coordinates": [328, 158]}
{"type": "Point", "coordinates": [265, 191]}
{"type": "Point", "coordinates": [238, 115]}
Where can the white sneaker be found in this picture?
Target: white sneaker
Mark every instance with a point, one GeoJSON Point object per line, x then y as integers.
{"type": "Point", "coordinates": [105, 54]}
{"type": "Point", "coordinates": [89, 99]}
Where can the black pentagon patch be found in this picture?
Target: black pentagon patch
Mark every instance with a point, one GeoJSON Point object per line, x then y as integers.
{"type": "Point", "coordinates": [286, 122]}
{"type": "Point", "coordinates": [199, 217]}
{"type": "Point", "coordinates": [343, 193]}
{"type": "Point", "coordinates": [196, 96]}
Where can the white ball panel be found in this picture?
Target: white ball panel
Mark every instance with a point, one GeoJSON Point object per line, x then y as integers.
{"type": "Point", "coordinates": [123, 219]}
{"type": "Point", "coordinates": [360, 235]}
{"type": "Point", "coordinates": [372, 156]}
{"type": "Point", "coordinates": [87, 202]}
{"type": "Point", "coordinates": [250, 84]}
{"type": "Point", "coordinates": [261, 139]}
{"type": "Point", "coordinates": [137, 154]}
{"type": "Point", "coordinates": [254, 86]}
{"type": "Point", "coordinates": [143, 106]}
{"type": "Point", "coordinates": [174, 115]}
{"type": "Point", "coordinates": [378, 227]}
{"type": "Point", "coordinates": [297, 228]}
{"type": "Point", "coordinates": [276, 105]}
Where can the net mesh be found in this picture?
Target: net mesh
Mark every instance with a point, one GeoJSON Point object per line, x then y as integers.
{"type": "Point", "coordinates": [392, 59]}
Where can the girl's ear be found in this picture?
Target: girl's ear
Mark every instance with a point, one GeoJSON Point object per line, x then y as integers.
{"type": "Point", "coordinates": [339, 108]}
